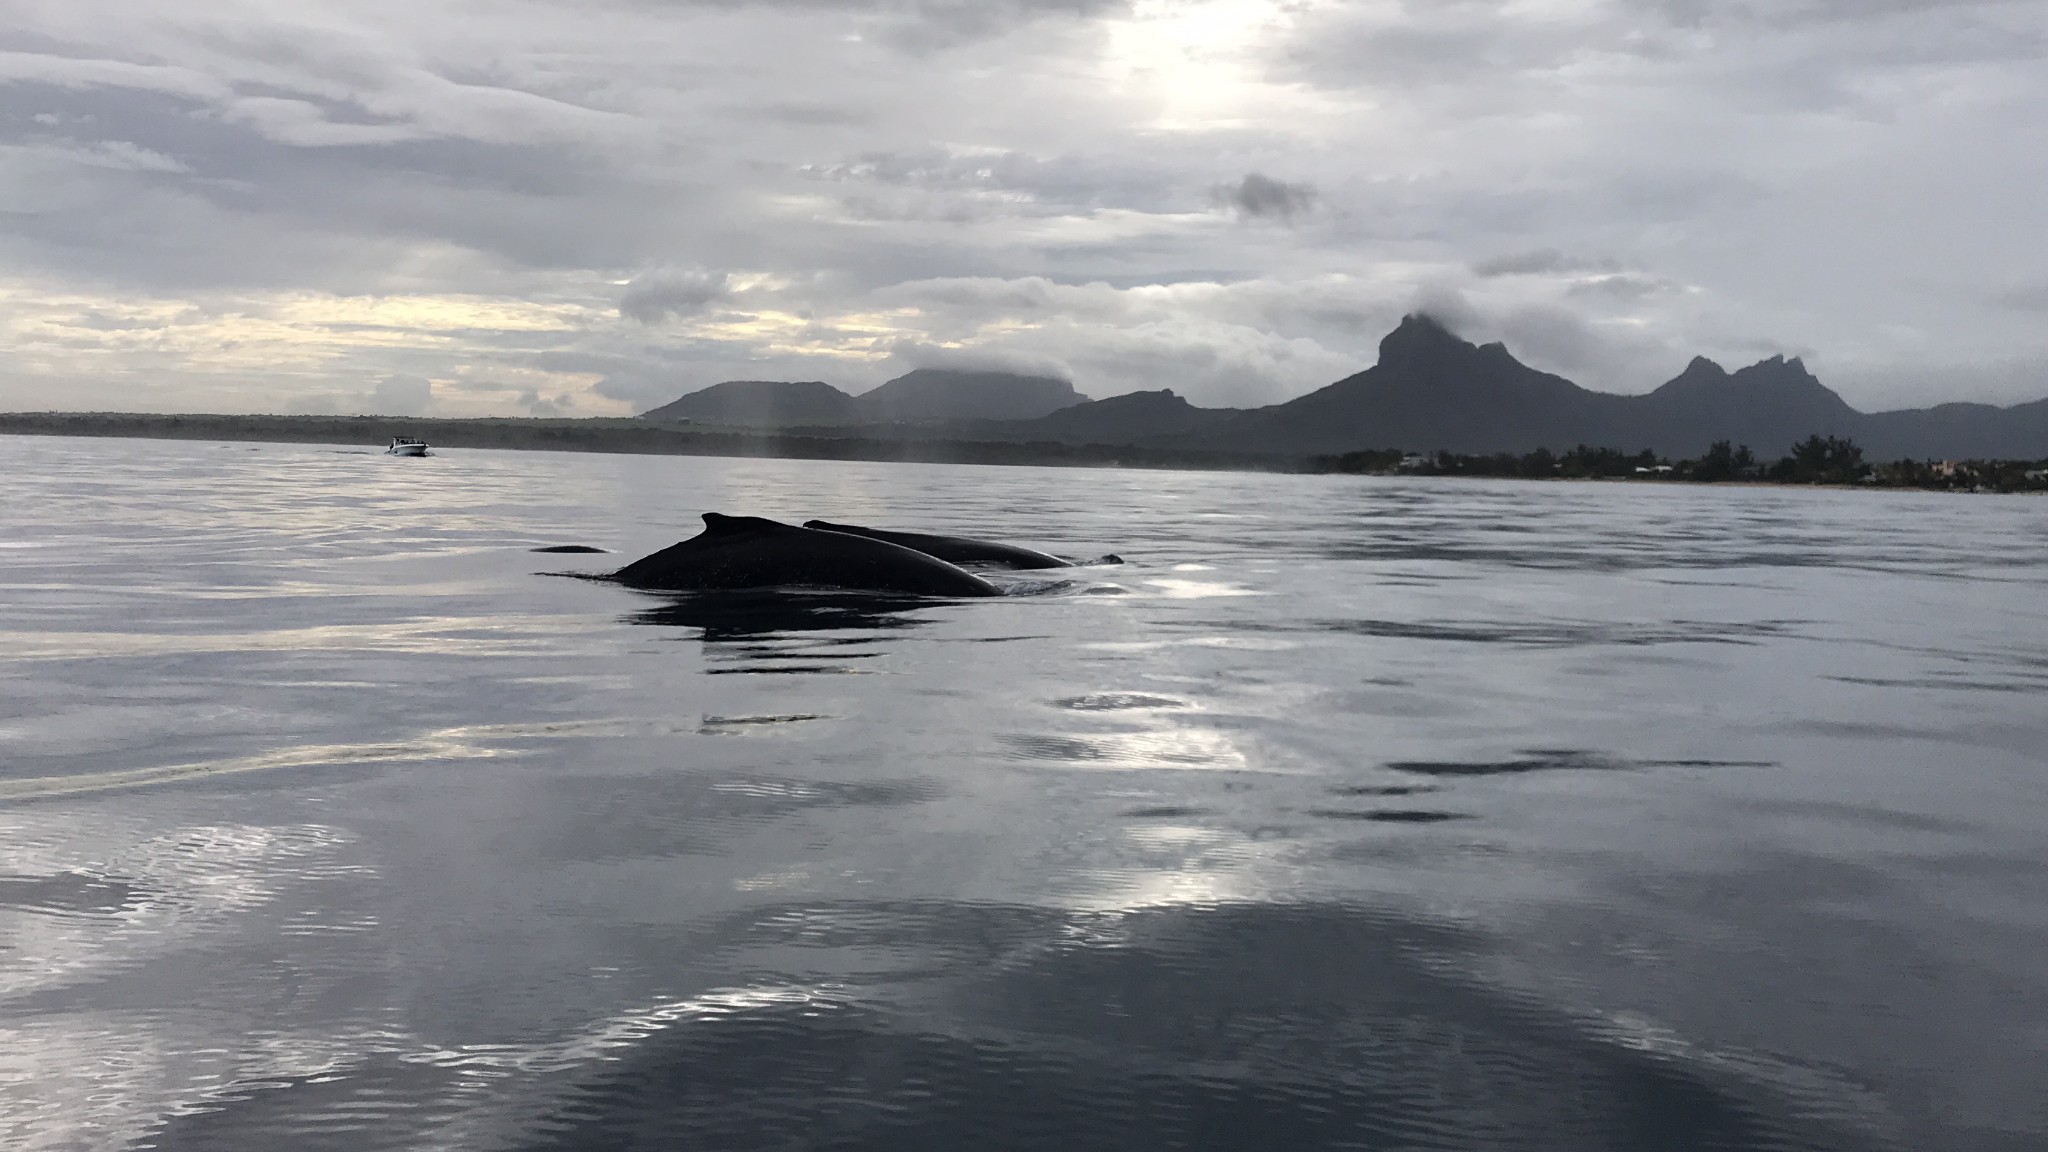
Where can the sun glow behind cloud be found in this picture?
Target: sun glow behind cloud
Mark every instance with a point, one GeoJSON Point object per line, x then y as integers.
{"type": "Point", "coordinates": [1198, 66]}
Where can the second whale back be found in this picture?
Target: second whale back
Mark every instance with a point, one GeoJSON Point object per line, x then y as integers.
{"type": "Point", "coordinates": [952, 549]}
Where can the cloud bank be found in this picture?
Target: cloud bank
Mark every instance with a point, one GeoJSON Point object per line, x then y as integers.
{"type": "Point", "coordinates": [549, 207]}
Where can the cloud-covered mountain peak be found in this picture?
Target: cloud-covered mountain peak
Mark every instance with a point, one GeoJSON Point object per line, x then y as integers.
{"type": "Point", "coordinates": [1421, 336]}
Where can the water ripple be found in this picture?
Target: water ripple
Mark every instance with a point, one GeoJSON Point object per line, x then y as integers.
{"type": "Point", "coordinates": [1351, 812]}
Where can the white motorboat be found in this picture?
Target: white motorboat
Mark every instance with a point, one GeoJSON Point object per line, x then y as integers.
{"type": "Point", "coordinates": [406, 446]}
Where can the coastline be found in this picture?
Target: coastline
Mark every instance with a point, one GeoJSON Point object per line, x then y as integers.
{"type": "Point", "coordinates": [633, 436]}
{"type": "Point", "coordinates": [627, 435]}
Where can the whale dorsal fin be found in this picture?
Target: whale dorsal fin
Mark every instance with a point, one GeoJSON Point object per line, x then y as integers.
{"type": "Point", "coordinates": [719, 524]}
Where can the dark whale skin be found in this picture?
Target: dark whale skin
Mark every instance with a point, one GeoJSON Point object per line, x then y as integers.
{"type": "Point", "coordinates": [952, 549]}
{"type": "Point", "coordinates": [752, 552]}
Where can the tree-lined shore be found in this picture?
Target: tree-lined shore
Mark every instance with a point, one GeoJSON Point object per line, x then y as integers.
{"type": "Point", "coordinates": [1815, 460]}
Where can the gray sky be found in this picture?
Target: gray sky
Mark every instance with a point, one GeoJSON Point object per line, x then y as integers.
{"type": "Point", "coordinates": [509, 207]}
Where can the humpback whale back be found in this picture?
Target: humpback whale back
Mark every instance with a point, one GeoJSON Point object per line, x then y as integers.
{"type": "Point", "coordinates": [953, 549]}
{"type": "Point", "coordinates": [753, 552]}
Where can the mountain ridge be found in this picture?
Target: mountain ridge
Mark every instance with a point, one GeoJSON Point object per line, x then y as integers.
{"type": "Point", "coordinates": [1432, 390]}
{"type": "Point", "coordinates": [920, 396]}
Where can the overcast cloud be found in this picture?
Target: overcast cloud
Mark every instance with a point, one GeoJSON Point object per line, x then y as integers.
{"type": "Point", "coordinates": [511, 206]}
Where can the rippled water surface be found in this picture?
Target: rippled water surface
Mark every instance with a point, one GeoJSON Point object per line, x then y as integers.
{"type": "Point", "coordinates": [1351, 813]}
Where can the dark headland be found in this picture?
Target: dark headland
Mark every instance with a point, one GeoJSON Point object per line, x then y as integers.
{"type": "Point", "coordinates": [1433, 403]}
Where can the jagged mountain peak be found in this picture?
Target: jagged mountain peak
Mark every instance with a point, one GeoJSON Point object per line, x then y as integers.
{"type": "Point", "coordinates": [1420, 334]}
{"type": "Point", "coordinates": [1424, 348]}
{"type": "Point", "coordinates": [1779, 363]}
{"type": "Point", "coordinates": [1702, 377]}
{"type": "Point", "coordinates": [1780, 372]}
{"type": "Point", "coordinates": [1773, 376]}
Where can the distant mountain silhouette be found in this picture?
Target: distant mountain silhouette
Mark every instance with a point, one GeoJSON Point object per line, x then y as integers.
{"type": "Point", "coordinates": [761, 403]}
{"type": "Point", "coordinates": [1958, 431]}
{"type": "Point", "coordinates": [934, 394]}
{"type": "Point", "coordinates": [1430, 391]}
{"type": "Point", "coordinates": [923, 396]}
{"type": "Point", "coordinates": [1134, 417]}
{"type": "Point", "coordinates": [1754, 406]}
{"type": "Point", "coordinates": [1433, 391]}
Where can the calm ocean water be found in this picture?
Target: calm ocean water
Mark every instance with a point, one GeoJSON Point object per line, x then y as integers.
{"type": "Point", "coordinates": [1351, 813]}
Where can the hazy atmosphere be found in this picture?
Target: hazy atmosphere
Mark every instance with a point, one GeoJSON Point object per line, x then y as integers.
{"type": "Point", "coordinates": [554, 209]}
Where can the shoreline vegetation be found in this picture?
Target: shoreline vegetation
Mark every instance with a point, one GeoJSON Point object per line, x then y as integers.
{"type": "Point", "coordinates": [1817, 460]}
